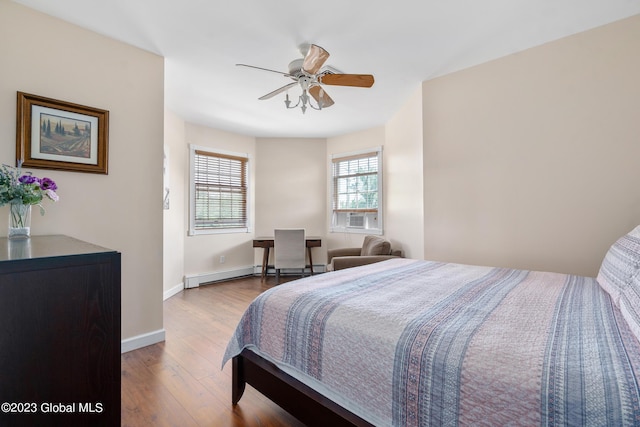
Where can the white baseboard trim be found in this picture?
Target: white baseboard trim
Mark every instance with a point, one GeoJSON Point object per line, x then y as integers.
{"type": "Point", "coordinates": [143, 340]}
{"type": "Point", "coordinates": [196, 280]}
{"type": "Point", "coordinates": [171, 292]}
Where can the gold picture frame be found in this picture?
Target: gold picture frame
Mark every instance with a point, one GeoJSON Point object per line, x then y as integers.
{"type": "Point", "coordinates": [53, 134]}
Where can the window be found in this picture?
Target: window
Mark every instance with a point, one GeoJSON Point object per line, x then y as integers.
{"type": "Point", "coordinates": [218, 196]}
{"type": "Point", "coordinates": [356, 192]}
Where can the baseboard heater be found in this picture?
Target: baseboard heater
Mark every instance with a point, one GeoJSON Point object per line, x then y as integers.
{"type": "Point", "coordinates": [193, 281]}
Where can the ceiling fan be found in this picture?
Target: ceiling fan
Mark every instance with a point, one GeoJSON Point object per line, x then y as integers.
{"type": "Point", "coordinates": [308, 72]}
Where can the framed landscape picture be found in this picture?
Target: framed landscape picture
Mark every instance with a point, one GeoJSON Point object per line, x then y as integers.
{"type": "Point", "coordinates": [52, 134]}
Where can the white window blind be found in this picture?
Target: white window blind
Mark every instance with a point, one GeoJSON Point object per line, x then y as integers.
{"type": "Point", "coordinates": [355, 183]}
{"type": "Point", "coordinates": [220, 191]}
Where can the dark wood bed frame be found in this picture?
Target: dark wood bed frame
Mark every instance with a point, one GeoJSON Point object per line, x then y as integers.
{"type": "Point", "coordinates": [295, 397]}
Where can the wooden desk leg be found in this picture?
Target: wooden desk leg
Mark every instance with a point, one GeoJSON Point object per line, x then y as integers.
{"type": "Point", "coordinates": [265, 261]}
{"type": "Point", "coordinates": [310, 260]}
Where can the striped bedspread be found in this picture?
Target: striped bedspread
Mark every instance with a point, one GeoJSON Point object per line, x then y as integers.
{"type": "Point", "coordinates": [420, 343]}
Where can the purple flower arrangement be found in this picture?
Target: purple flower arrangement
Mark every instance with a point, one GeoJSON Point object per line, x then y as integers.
{"type": "Point", "coordinates": [21, 187]}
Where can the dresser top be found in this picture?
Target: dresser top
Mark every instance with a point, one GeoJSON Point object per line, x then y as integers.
{"type": "Point", "coordinates": [46, 247]}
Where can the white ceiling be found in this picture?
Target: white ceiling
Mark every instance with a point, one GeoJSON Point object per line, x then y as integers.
{"type": "Point", "coordinates": [400, 42]}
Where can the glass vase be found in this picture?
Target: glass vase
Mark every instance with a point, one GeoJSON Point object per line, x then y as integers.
{"type": "Point", "coordinates": [19, 221]}
{"type": "Point", "coordinates": [19, 248]}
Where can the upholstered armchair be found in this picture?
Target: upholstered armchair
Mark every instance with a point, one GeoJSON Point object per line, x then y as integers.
{"type": "Point", "coordinates": [374, 249]}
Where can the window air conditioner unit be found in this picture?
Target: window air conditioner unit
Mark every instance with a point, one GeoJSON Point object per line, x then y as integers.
{"type": "Point", "coordinates": [355, 220]}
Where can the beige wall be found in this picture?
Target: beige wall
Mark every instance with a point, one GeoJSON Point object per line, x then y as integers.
{"type": "Point", "coordinates": [290, 188]}
{"type": "Point", "coordinates": [531, 160]}
{"type": "Point", "coordinates": [202, 252]}
{"type": "Point", "coordinates": [175, 221]}
{"type": "Point", "coordinates": [122, 210]}
{"type": "Point", "coordinates": [403, 183]}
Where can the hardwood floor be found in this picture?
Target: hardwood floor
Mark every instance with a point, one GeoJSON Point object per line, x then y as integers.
{"type": "Point", "coordinates": [180, 382]}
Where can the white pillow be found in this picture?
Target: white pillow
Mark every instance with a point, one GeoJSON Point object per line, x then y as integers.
{"type": "Point", "coordinates": [630, 304]}
{"type": "Point", "coordinates": [620, 265]}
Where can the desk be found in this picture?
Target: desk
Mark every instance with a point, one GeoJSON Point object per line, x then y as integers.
{"type": "Point", "coordinates": [268, 242]}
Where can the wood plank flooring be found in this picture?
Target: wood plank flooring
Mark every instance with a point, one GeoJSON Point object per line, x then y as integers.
{"type": "Point", "coordinates": [180, 382]}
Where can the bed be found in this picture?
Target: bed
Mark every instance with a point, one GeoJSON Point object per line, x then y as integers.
{"type": "Point", "coordinates": [422, 343]}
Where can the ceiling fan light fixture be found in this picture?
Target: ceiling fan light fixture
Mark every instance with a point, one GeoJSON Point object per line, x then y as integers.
{"type": "Point", "coordinates": [304, 101]}
{"type": "Point", "coordinates": [310, 73]}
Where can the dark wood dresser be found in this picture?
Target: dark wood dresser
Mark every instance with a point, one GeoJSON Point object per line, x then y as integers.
{"type": "Point", "coordinates": [59, 333]}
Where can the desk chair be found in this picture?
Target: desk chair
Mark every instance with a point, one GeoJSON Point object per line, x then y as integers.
{"type": "Point", "coordinates": [289, 246]}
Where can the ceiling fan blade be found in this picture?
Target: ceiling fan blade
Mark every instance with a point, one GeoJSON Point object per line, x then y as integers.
{"type": "Point", "coordinates": [315, 58]}
{"type": "Point", "coordinates": [358, 80]}
{"type": "Point", "coordinates": [321, 96]}
{"type": "Point", "coordinates": [264, 69]}
{"type": "Point", "coordinates": [277, 91]}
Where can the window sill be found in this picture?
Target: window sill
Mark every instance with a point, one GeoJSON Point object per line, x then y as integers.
{"type": "Point", "coordinates": [218, 231]}
{"type": "Point", "coordinates": [372, 231]}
